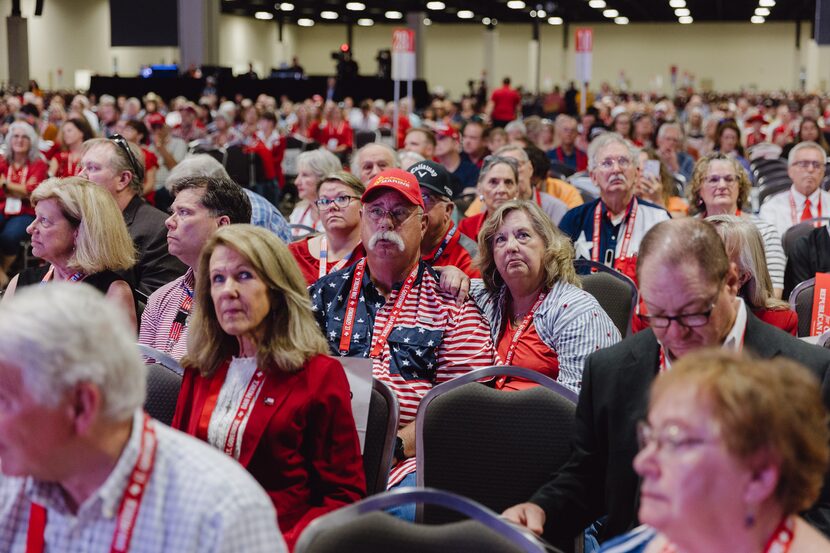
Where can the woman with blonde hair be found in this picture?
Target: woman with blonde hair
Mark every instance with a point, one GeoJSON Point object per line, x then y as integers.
{"type": "Point", "coordinates": [80, 232]}
{"type": "Point", "coordinates": [539, 316]}
{"type": "Point", "coordinates": [258, 383]}
{"type": "Point", "coordinates": [745, 248]}
{"type": "Point", "coordinates": [732, 450]}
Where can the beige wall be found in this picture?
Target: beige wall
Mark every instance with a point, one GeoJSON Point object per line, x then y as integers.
{"type": "Point", "coordinates": [74, 35]}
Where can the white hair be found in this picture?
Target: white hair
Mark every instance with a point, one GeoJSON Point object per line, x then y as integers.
{"type": "Point", "coordinates": [31, 134]}
{"type": "Point", "coordinates": [606, 139]}
{"type": "Point", "coordinates": [61, 334]}
{"type": "Point", "coordinates": [321, 162]}
{"type": "Point", "coordinates": [196, 165]}
{"type": "Point", "coordinates": [356, 162]}
{"type": "Point", "coordinates": [803, 146]}
{"type": "Point", "coordinates": [516, 125]}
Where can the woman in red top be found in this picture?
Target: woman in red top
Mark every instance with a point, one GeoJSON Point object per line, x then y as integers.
{"type": "Point", "coordinates": [260, 386]}
{"type": "Point", "coordinates": [339, 247]}
{"type": "Point", "coordinates": [20, 174]}
{"type": "Point", "coordinates": [498, 182]}
{"type": "Point", "coordinates": [136, 132]}
{"type": "Point", "coordinates": [333, 132]}
{"type": "Point", "coordinates": [74, 132]}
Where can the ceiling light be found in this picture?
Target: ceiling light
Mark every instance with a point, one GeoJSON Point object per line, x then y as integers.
{"type": "Point", "coordinates": [287, 7]}
{"type": "Point", "coordinates": [328, 15]}
{"type": "Point", "coordinates": [555, 20]}
{"type": "Point", "coordinates": [682, 11]}
{"type": "Point", "coordinates": [486, 20]}
{"type": "Point", "coordinates": [610, 13]}
{"type": "Point", "coordinates": [685, 20]}
{"type": "Point", "coordinates": [532, 13]}
{"type": "Point", "coordinates": [597, 4]}
{"type": "Point", "coordinates": [465, 14]}
{"type": "Point", "coordinates": [305, 22]}
{"type": "Point", "coordinates": [516, 5]}
{"type": "Point", "coordinates": [677, 3]}
{"type": "Point", "coordinates": [763, 12]}
{"type": "Point", "coordinates": [365, 22]}
{"type": "Point", "coordinates": [757, 19]}
{"type": "Point", "coordinates": [427, 21]}
{"type": "Point", "coordinates": [766, 3]}
{"type": "Point", "coordinates": [621, 20]}
{"type": "Point", "coordinates": [436, 5]}
{"type": "Point", "coordinates": [541, 14]}
{"type": "Point", "coordinates": [356, 6]}
{"type": "Point", "coordinates": [393, 15]}
{"type": "Point", "coordinates": [264, 15]}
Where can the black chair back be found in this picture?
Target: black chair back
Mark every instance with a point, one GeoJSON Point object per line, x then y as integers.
{"type": "Point", "coordinates": [803, 228]}
{"type": "Point", "coordinates": [162, 392]}
{"type": "Point", "coordinates": [379, 442]}
{"type": "Point", "coordinates": [616, 293]}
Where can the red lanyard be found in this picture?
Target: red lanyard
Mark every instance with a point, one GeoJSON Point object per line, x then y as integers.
{"type": "Point", "coordinates": [130, 501]}
{"type": "Point", "coordinates": [24, 171]}
{"type": "Point", "coordinates": [75, 277]}
{"type": "Point", "coordinates": [779, 542]}
{"type": "Point", "coordinates": [181, 318]}
{"type": "Point", "coordinates": [629, 229]}
{"type": "Point", "coordinates": [443, 246]}
{"type": "Point", "coordinates": [351, 309]}
{"type": "Point", "coordinates": [521, 328]}
{"type": "Point", "coordinates": [324, 251]}
{"type": "Point", "coordinates": [796, 219]}
{"type": "Point", "coordinates": [256, 382]}
{"type": "Point", "coordinates": [538, 197]}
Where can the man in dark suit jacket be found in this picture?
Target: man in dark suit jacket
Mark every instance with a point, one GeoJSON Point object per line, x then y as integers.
{"type": "Point", "coordinates": [119, 167]}
{"type": "Point", "coordinates": [809, 255]}
{"type": "Point", "coordinates": [690, 290]}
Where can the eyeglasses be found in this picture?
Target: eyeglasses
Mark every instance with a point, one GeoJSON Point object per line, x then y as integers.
{"type": "Point", "coordinates": [342, 202]}
{"type": "Point", "coordinates": [688, 320]}
{"type": "Point", "coordinates": [671, 439]}
{"type": "Point", "coordinates": [124, 145]}
{"type": "Point", "coordinates": [608, 163]}
{"type": "Point", "coordinates": [399, 215]}
{"type": "Point", "coordinates": [806, 164]}
{"type": "Point", "coordinates": [433, 200]}
{"type": "Point", "coordinates": [728, 179]}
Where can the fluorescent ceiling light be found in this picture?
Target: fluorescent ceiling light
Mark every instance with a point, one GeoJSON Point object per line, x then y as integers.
{"type": "Point", "coordinates": [610, 13]}
{"type": "Point", "coordinates": [392, 14]}
{"type": "Point", "coordinates": [264, 15]}
{"type": "Point", "coordinates": [287, 7]}
{"type": "Point", "coordinates": [465, 14]}
{"type": "Point", "coordinates": [757, 19]}
{"type": "Point", "coordinates": [541, 14]}
{"type": "Point", "coordinates": [763, 12]}
{"type": "Point", "coordinates": [677, 3]}
{"type": "Point", "coordinates": [679, 12]}
{"type": "Point", "coordinates": [328, 15]}
{"type": "Point", "coordinates": [427, 21]}
{"type": "Point", "coordinates": [356, 6]}
{"type": "Point", "coordinates": [766, 3]}
{"type": "Point", "coordinates": [305, 22]}
{"type": "Point", "coordinates": [597, 4]}
{"type": "Point", "coordinates": [486, 20]}
{"type": "Point", "coordinates": [365, 22]}
{"type": "Point", "coordinates": [621, 20]}
{"type": "Point", "coordinates": [685, 20]}
{"type": "Point", "coordinates": [436, 6]}
{"type": "Point", "coordinates": [555, 20]}
{"type": "Point", "coordinates": [516, 5]}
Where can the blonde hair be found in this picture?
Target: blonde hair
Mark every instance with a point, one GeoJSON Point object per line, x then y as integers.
{"type": "Point", "coordinates": [745, 247]}
{"type": "Point", "coordinates": [103, 241]}
{"type": "Point", "coordinates": [557, 259]}
{"type": "Point", "coordinates": [744, 395]}
{"type": "Point", "coordinates": [291, 335]}
{"type": "Point", "coordinates": [699, 175]}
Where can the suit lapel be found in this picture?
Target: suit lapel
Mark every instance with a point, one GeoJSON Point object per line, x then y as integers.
{"type": "Point", "coordinates": [759, 339]}
{"type": "Point", "coordinates": [275, 390]}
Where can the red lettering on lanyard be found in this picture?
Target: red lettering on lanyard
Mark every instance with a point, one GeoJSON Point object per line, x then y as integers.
{"type": "Point", "coordinates": [245, 406]}
{"type": "Point", "coordinates": [130, 501]}
{"type": "Point", "coordinates": [629, 229]}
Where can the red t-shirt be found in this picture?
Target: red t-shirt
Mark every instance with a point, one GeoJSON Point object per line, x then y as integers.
{"type": "Point", "coordinates": [471, 226]}
{"type": "Point", "coordinates": [310, 265]}
{"type": "Point", "coordinates": [453, 254]}
{"type": "Point", "coordinates": [66, 167]}
{"type": "Point", "coordinates": [505, 102]}
{"type": "Point", "coordinates": [531, 353]}
{"type": "Point", "coordinates": [32, 173]}
{"type": "Point", "coordinates": [325, 131]}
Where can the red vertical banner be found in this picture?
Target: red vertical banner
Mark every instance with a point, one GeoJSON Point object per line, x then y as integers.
{"type": "Point", "coordinates": [821, 307]}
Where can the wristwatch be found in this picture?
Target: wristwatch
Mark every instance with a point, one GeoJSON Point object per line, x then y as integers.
{"type": "Point", "coordinates": [399, 449]}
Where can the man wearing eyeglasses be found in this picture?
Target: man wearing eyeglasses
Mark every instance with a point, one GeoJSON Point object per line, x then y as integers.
{"type": "Point", "coordinates": [389, 307]}
{"type": "Point", "coordinates": [689, 287]}
{"type": "Point", "coordinates": [804, 199]}
{"type": "Point", "coordinates": [442, 244]}
{"type": "Point", "coordinates": [609, 229]}
{"type": "Point", "coordinates": [119, 167]}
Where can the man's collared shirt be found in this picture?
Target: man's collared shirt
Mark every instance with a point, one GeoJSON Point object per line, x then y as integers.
{"type": "Point", "coordinates": [265, 215]}
{"type": "Point", "coordinates": [778, 211]}
{"type": "Point", "coordinates": [159, 315]}
{"type": "Point", "coordinates": [434, 340]}
{"type": "Point", "coordinates": [197, 500]}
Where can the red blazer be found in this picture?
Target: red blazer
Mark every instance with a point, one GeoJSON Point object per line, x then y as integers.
{"type": "Point", "coordinates": [302, 447]}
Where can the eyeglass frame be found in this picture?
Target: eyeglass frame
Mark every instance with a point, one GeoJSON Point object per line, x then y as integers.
{"type": "Point", "coordinates": [330, 202]}
{"type": "Point", "coordinates": [707, 314]}
{"type": "Point", "coordinates": [647, 435]}
{"type": "Point", "coordinates": [805, 164]}
{"type": "Point", "coordinates": [384, 213]}
{"type": "Point", "coordinates": [124, 144]}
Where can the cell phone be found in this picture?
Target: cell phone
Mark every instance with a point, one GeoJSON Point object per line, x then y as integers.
{"type": "Point", "coordinates": [652, 167]}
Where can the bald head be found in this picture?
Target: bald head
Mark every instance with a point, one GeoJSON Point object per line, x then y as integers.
{"type": "Point", "coordinates": [371, 159]}
{"type": "Point", "coordinates": [686, 241]}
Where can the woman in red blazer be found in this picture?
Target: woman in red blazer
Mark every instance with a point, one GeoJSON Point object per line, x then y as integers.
{"type": "Point", "coordinates": [258, 384]}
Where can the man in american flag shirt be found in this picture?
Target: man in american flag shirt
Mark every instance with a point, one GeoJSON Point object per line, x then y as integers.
{"type": "Point", "coordinates": [389, 307]}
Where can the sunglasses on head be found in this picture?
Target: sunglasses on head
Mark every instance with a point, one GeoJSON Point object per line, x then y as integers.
{"type": "Point", "coordinates": [124, 145]}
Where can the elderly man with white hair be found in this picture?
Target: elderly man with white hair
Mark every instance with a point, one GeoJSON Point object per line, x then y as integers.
{"type": "Point", "coordinates": [84, 468]}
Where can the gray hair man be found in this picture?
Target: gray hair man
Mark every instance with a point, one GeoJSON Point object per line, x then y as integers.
{"type": "Point", "coordinates": [84, 467]}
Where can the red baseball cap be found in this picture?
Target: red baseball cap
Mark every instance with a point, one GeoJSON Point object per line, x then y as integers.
{"type": "Point", "coordinates": [155, 120]}
{"type": "Point", "coordinates": [446, 131]}
{"type": "Point", "coordinates": [399, 180]}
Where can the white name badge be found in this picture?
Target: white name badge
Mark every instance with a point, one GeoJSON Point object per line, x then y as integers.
{"type": "Point", "coordinates": [13, 206]}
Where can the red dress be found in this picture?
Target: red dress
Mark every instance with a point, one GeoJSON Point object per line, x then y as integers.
{"type": "Point", "coordinates": [300, 441]}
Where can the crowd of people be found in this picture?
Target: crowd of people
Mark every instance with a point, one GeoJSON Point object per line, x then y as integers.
{"type": "Point", "coordinates": [448, 247]}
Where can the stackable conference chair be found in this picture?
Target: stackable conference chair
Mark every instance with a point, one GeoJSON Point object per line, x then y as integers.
{"type": "Point", "coordinates": [492, 446]}
{"type": "Point", "coordinates": [616, 293]}
{"type": "Point", "coordinates": [364, 527]}
{"type": "Point", "coordinates": [379, 442]}
{"type": "Point", "coordinates": [803, 228]}
{"type": "Point", "coordinates": [801, 301]}
{"type": "Point", "coordinates": [163, 383]}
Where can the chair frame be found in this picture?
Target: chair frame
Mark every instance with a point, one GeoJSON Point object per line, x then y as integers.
{"type": "Point", "coordinates": [163, 359]}
{"type": "Point", "coordinates": [521, 538]}
{"type": "Point", "coordinates": [601, 267]}
{"type": "Point", "coordinates": [391, 433]}
{"type": "Point", "coordinates": [801, 287]}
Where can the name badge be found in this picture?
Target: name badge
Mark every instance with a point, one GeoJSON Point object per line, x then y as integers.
{"type": "Point", "coordinates": [13, 206]}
